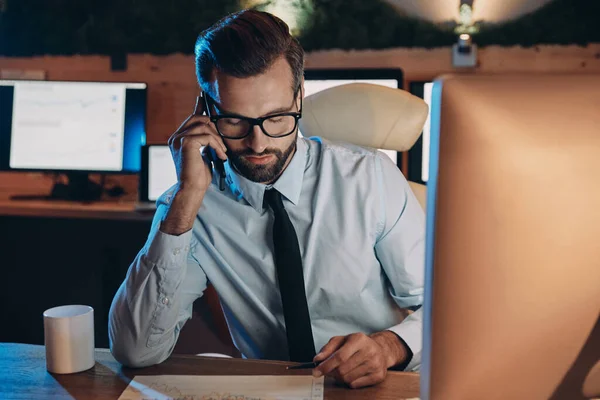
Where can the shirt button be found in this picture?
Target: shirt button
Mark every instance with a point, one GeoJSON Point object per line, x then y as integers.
{"type": "Point", "coordinates": [176, 251]}
{"type": "Point", "coordinates": [165, 300]}
{"type": "Point", "coordinates": [186, 248]}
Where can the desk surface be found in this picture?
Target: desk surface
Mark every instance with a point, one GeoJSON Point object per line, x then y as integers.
{"type": "Point", "coordinates": [116, 210]}
{"type": "Point", "coordinates": [23, 375]}
{"type": "Point", "coordinates": [35, 184]}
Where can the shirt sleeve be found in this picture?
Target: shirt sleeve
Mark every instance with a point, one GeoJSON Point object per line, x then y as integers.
{"type": "Point", "coordinates": [401, 252]}
{"type": "Point", "coordinates": [155, 299]}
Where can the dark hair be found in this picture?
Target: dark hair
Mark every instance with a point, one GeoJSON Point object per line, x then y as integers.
{"type": "Point", "coordinates": [245, 44]}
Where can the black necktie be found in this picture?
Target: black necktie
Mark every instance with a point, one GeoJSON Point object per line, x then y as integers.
{"type": "Point", "coordinates": [288, 262]}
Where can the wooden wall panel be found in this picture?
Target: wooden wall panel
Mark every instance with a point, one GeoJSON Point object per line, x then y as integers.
{"type": "Point", "coordinates": [173, 87]}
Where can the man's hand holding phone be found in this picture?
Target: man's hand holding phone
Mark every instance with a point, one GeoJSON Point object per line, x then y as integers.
{"type": "Point", "coordinates": [194, 172]}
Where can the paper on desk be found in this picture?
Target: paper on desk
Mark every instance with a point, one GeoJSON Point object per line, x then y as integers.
{"type": "Point", "coordinates": [258, 387]}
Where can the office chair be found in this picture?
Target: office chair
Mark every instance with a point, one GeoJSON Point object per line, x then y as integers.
{"type": "Point", "coordinates": [367, 115]}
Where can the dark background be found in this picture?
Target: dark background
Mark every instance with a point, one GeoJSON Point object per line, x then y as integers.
{"type": "Point", "coordinates": [65, 27]}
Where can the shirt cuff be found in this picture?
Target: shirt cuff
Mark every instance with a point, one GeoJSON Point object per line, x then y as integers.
{"type": "Point", "coordinates": [411, 332]}
{"type": "Point", "coordinates": [168, 251]}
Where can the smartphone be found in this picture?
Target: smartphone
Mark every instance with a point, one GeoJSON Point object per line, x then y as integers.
{"type": "Point", "coordinates": [211, 154]}
{"type": "Point", "coordinates": [218, 166]}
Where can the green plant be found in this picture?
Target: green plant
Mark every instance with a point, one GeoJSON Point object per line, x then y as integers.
{"type": "Point", "coordinates": [30, 27]}
{"type": "Point", "coordinates": [358, 24]}
{"type": "Point", "coordinates": [34, 27]}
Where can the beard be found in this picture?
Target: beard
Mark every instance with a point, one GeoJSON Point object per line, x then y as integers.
{"type": "Point", "coordinates": [261, 173]}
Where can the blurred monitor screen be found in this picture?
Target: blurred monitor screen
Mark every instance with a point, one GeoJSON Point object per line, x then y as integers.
{"type": "Point", "coordinates": [72, 126]}
{"type": "Point", "coordinates": [159, 170]}
{"type": "Point", "coordinates": [418, 155]}
{"type": "Point", "coordinates": [512, 221]}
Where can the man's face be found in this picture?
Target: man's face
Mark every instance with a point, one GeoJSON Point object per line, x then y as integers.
{"type": "Point", "coordinates": [258, 157]}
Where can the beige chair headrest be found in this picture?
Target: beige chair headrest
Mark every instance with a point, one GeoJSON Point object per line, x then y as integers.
{"type": "Point", "coordinates": [366, 115]}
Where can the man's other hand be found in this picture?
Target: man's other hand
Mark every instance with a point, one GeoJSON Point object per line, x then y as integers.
{"type": "Point", "coordinates": [359, 360]}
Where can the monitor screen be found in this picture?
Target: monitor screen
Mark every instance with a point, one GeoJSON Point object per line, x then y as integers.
{"type": "Point", "coordinates": [72, 126]}
{"type": "Point", "coordinates": [418, 155]}
{"type": "Point", "coordinates": [512, 220]}
{"type": "Point", "coordinates": [317, 80]}
{"type": "Point", "coordinates": [161, 171]}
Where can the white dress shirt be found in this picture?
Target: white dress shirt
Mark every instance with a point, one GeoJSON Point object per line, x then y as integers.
{"type": "Point", "coordinates": [361, 235]}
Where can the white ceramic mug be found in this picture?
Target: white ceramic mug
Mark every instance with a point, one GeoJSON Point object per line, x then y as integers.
{"type": "Point", "coordinates": [69, 339]}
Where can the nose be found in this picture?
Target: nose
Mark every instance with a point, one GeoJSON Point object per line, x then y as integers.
{"type": "Point", "coordinates": [257, 140]}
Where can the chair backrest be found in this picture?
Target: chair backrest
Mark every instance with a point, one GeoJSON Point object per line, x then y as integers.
{"type": "Point", "coordinates": [367, 115]}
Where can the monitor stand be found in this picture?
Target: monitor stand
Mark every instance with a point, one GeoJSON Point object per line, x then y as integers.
{"type": "Point", "coordinates": [78, 188]}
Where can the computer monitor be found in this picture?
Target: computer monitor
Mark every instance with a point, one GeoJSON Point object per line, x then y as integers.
{"type": "Point", "coordinates": [72, 127]}
{"type": "Point", "coordinates": [418, 155]}
{"type": "Point", "coordinates": [512, 288]}
{"type": "Point", "coordinates": [316, 80]}
{"type": "Point", "coordinates": [158, 172]}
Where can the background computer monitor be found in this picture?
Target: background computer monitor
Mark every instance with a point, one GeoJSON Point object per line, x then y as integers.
{"type": "Point", "coordinates": [512, 306]}
{"type": "Point", "coordinates": [158, 172]}
{"type": "Point", "coordinates": [72, 127]}
{"type": "Point", "coordinates": [316, 80]}
{"type": "Point", "coordinates": [418, 155]}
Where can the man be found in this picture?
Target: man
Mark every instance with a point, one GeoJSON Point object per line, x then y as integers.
{"type": "Point", "coordinates": [311, 245]}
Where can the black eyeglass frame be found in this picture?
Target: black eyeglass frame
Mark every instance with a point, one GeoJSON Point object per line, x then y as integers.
{"type": "Point", "coordinates": [254, 121]}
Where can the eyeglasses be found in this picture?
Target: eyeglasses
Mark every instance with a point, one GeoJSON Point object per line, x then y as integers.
{"type": "Point", "coordinates": [238, 127]}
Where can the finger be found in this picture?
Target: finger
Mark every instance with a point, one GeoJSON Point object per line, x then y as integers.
{"type": "Point", "coordinates": [190, 122]}
{"type": "Point", "coordinates": [352, 344]}
{"type": "Point", "coordinates": [201, 130]}
{"type": "Point", "coordinates": [338, 358]}
{"type": "Point", "coordinates": [198, 125]}
{"type": "Point", "coordinates": [359, 371]}
{"type": "Point", "coordinates": [367, 380]}
{"type": "Point", "coordinates": [331, 346]}
{"type": "Point", "coordinates": [361, 357]}
{"type": "Point", "coordinates": [212, 143]}
{"type": "Point", "coordinates": [194, 142]}
{"type": "Point", "coordinates": [183, 125]}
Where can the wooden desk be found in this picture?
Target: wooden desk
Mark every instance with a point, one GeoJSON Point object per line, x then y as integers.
{"type": "Point", "coordinates": [23, 375]}
{"type": "Point", "coordinates": [35, 184]}
{"type": "Point", "coordinates": [107, 210]}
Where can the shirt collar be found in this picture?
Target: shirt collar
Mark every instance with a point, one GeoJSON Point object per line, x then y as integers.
{"type": "Point", "coordinates": [289, 184]}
